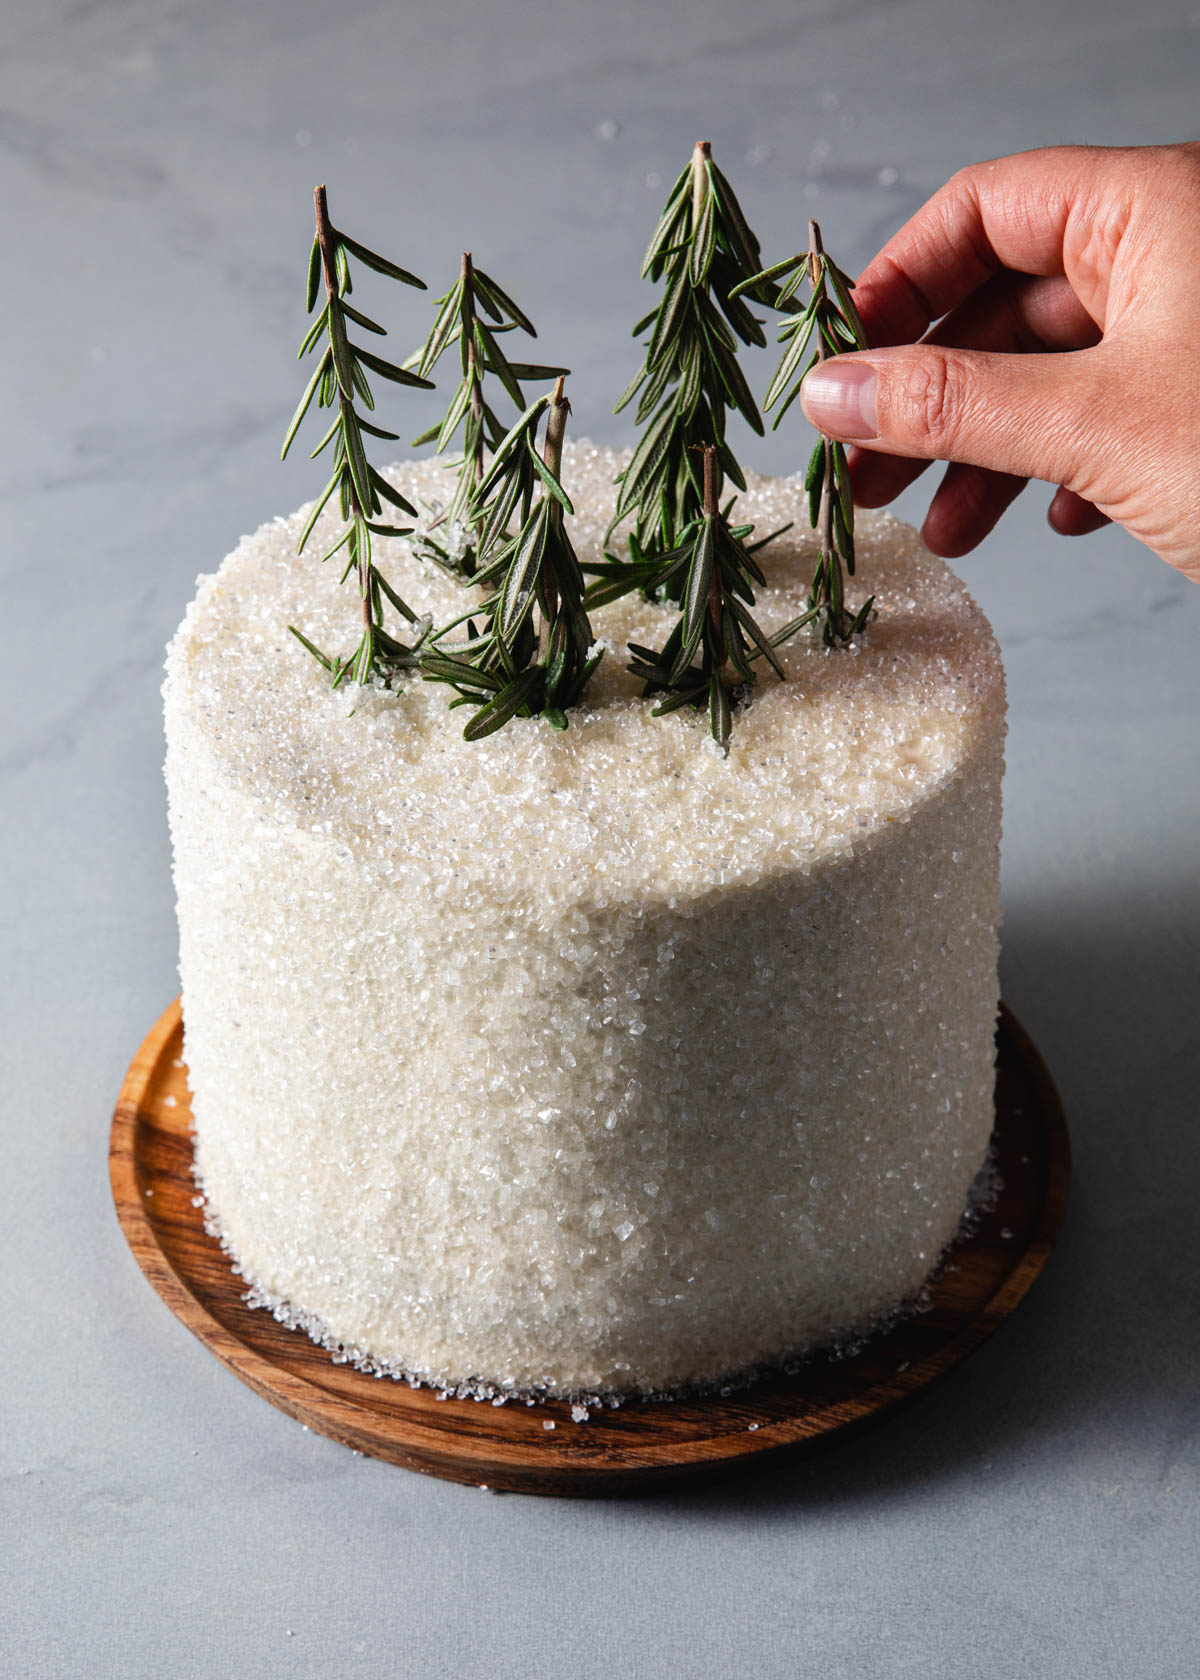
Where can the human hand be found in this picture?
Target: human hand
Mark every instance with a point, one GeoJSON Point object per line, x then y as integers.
{"type": "Point", "coordinates": [1065, 289]}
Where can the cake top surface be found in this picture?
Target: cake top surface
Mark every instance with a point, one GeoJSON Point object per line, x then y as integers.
{"type": "Point", "coordinates": [855, 738]}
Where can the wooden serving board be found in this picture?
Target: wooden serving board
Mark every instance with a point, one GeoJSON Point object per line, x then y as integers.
{"type": "Point", "coordinates": [639, 1445]}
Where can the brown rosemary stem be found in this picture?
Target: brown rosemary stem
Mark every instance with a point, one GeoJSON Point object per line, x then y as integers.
{"type": "Point", "coordinates": [325, 239]}
{"type": "Point", "coordinates": [468, 276]}
{"type": "Point", "coordinates": [556, 430]}
{"type": "Point", "coordinates": [712, 489]}
{"type": "Point", "coordinates": [712, 510]}
{"type": "Point", "coordinates": [829, 565]}
{"type": "Point", "coordinates": [552, 452]}
{"type": "Point", "coordinates": [816, 251]}
{"type": "Point", "coordinates": [701, 152]}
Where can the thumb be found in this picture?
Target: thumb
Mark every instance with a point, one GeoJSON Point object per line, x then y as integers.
{"type": "Point", "coordinates": [1034, 416]}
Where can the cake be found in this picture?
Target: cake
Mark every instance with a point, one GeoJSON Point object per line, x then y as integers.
{"type": "Point", "coordinates": [586, 1063]}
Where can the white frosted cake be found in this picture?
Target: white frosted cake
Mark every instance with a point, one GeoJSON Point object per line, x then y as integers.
{"type": "Point", "coordinates": [590, 1062]}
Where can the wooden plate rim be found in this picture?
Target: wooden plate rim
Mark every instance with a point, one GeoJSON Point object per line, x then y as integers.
{"type": "Point", "coordinates": [353, 1421]}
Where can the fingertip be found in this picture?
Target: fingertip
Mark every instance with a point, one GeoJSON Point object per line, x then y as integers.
{"type": "Point", "coordinates": [946, 544]}
{"type": "Point", "coordinates": [1072, 516]}
{"type": "Point", "coordinates": [966, 508]}
{"type": "Point", "coordinates": [941, 529]}
{"type": "Point", "coordinates": [946, 535]}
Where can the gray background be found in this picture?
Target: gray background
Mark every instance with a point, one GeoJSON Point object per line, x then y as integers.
{"type": "Point", "coordinates": [1038, 1514]}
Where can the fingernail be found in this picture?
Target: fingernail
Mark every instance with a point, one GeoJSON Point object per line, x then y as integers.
{"type": "Point", "coordinates": [839, 398]}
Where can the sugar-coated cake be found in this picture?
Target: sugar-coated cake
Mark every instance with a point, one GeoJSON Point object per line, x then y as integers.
{"type": "Point", "coordinates": [590, 1062]}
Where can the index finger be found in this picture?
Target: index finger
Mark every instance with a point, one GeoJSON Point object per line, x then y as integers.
{"type": "Point", "coordinates": [1012, 213]}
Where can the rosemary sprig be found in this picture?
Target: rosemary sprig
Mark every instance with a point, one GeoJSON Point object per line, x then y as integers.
{"type": "Point", "coordinates": [341, 375]}
{"type": "Point", "coordinates": [706, 257]}
{"type": "Point", "coordinates": [459, 321]}
{"type": "Point", "coordinates": [713, 647]}
{"type": "Point", "coordinates": [514, 666]}
{"type": "Point", "coordinates": [836, 325]}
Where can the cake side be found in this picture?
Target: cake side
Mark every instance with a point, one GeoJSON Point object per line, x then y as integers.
{"type": "Point", "coordinates": [691, 1073]}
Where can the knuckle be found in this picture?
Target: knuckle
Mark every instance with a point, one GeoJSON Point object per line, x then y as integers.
{"type": "Point", "coordinates": [1184, 159]}
{"type": "Point", "coordinates": [1185, 176]}
{"type": "Point", "coordinates": [963, 180]}
{"type": "Point", "coordinates": [928, 404]}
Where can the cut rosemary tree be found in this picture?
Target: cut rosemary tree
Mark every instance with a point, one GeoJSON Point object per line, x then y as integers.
{"type": "Point", "coordinates": [339, 377]}
{"type": "Point", "coordinates": [521, 664]}
{"type": "Point", "coordinates": [458, 321]}
{"type": "Point", "coordinates": [706, 257]}
{"type": "Point", "coordinates": [835, 323]}
{"type": "Point", "coordinates": [713, 646]}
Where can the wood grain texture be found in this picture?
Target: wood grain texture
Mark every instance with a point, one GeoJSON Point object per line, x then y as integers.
{"type": "Point", "coordinates": [640, 1445]}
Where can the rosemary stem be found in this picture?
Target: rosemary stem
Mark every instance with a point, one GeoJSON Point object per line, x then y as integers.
{"type": "Point", "coordinates": [701, 152]}
{"type": "Point", "coordinates": [829, 572]}
{"type": "Point", "coordinates": [556, 429]}
{"type": "Point", "coordinates": [552, 452]}
{"type": "Point", "coordinates": [325, 239]}
{"type": "Point", "coordinates": [826, 515]}
{"type": "Point", "coordinates": [712, 493]}
{"type": "Point", "coordinates": [468, 328]}
{"type": "Point", "coordinates": [816, 251]}
{"type": "Point", "coordinates": [712, 509]}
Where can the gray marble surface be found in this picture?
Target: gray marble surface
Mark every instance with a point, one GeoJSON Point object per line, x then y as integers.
{"type": "Point", "coordinates": [1038, 1514]}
